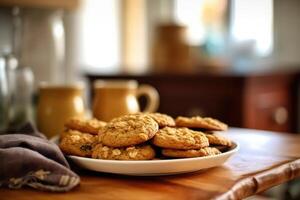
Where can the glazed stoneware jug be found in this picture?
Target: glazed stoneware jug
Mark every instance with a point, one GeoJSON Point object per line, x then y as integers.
{"type": "Point", "coordinates": [56, 104]}
{"type": "Point", "coordinates": [113, 98]}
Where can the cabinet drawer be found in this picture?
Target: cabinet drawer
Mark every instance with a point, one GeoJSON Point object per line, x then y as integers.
{"type": "Point", "coordinates": [269, 111]}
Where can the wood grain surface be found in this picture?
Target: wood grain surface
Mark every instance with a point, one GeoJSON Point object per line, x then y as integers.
{"type": "Point", "coordinates": [265, 159]}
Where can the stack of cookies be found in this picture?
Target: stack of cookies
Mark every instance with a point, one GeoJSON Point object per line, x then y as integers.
{"type": "Point", "coordinates": [129, 137]}
{"type": "Point", "coordinates": [192, 137]}
{"type": "Point", "coordinates": [144, 136]}
{"type": "Point", "coordinates": [80, 136]}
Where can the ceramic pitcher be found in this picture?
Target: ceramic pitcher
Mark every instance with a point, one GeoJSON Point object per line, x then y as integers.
{"type": "Point", "coordinates": [114, 98]}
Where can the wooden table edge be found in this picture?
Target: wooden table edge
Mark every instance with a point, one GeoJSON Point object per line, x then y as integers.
{"type": "Point", "coordinates": [262, 181]}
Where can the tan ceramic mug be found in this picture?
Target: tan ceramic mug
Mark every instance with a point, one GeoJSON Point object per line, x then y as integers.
{"type": "Point", "coordinates": [56, 104]}
{"type": "Point", "coordinates": [113, 98]}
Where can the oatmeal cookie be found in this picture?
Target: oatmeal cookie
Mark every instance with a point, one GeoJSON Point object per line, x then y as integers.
{"type": "Point", "coordinates": [175, 153]}
{"type": "Point", "coordinates": [218, 140]}
{"type": "Point", "coordinates": [162, 119]}
{"type": "Point", "coordinates": [139, 152]}
{"type": "Point", "coordinates": [92, 126]}
{"type": "Point", "coordinates": [128, 130]}
{"type": "Point", "coordinates": [201, 122]}
{"type": "Point", "coordinates": [67, 132]}
{"type": "Point", "coordinates": [77, 143]}
{"type": "Point", "coordinates": [180, 138]}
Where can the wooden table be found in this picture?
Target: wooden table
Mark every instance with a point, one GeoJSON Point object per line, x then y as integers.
{"type": "Point", "coordinates": [265, 159]}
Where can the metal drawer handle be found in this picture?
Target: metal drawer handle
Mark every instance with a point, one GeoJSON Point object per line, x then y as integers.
{"type": "Point", "coordinates": [280, 115]}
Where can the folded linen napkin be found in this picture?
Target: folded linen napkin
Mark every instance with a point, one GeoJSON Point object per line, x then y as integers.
{"type": "Point", "coordinates": [27, 158]}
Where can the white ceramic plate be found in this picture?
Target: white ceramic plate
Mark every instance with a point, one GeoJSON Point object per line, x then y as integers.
{"type": "Point", "coordinates": [153, 167]}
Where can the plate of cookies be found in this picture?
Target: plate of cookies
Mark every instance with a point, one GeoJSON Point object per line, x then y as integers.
{"type": "Point", "coordinates": [146, 144]}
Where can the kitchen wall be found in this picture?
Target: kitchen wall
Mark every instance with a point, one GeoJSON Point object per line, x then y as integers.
{"type": "Point", "coordinates": [43, 44]}
{"type": "Point", "coordinates": [286, 34]}
{"type": "Point", "coordinates": [287, 31]}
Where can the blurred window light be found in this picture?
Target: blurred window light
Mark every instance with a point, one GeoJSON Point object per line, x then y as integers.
{"type": "Point", "coordinates": [252, 20]}
{"type": "Point", "coordinates": [188, 13]}
{"type": "Point", "coordinates": [100, 39]}
{"type": "Point", "coordinates": [204, 19]}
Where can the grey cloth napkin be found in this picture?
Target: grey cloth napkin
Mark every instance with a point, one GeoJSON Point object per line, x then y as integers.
{"type": "Point", "coordinates": [27, 158]}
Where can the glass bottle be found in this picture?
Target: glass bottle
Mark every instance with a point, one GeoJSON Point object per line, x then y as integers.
{"type": "Point", "coordinates": [21, 79]}
{"type": "Point", "coordinates": [4, 98]}
{"type": "Point", "coordinates": [21, 104]}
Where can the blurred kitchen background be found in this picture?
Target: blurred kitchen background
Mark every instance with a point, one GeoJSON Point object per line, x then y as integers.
{"type": "Point", "coordinates": [236, 60]}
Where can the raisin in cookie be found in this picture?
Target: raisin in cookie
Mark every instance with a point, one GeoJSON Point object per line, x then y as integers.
{"type": "Point", "coordinates": [92, 126]}
{"type": "Point", "coordinates": [128, 130]}
{"type": "Point", "coordinates": [139, 152]}
{"type": "Point", "coordinates": [180, 138]}
{"type": "Point", "coordinates": [201, 122]}
{"type": "Point", "coordinates": [162, 119]}
{"type": "Point", "coordinates": [175, 153]}
{"type": "Point", "coordinates": [77, 143]}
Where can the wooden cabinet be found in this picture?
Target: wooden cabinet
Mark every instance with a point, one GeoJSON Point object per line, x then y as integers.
{"type": "Point", "coordinates": [259, 101]}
